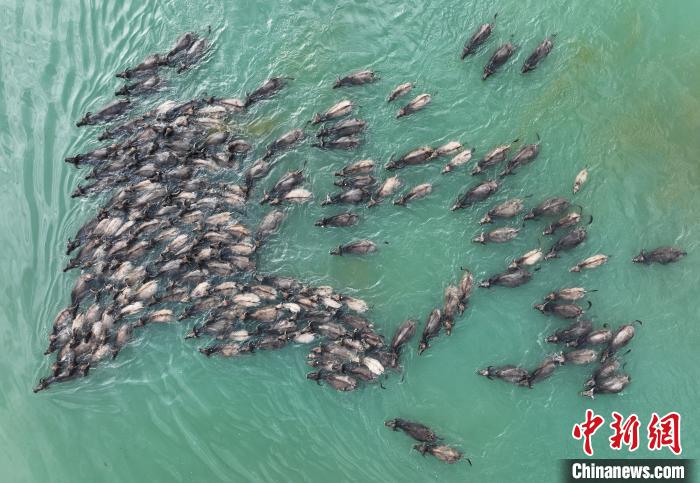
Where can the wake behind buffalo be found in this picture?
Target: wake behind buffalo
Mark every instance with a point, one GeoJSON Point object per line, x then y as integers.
{"type": "Point", "coordinates": [174, 242]}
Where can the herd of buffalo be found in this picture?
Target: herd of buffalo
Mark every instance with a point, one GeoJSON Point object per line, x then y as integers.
{"type": "Point", "coordinates": [173, 240]}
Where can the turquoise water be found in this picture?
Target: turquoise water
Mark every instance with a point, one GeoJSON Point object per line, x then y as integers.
{"type": "Point", "coordinates": [618, 94]}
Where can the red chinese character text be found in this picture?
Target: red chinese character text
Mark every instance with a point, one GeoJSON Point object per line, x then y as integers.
{"type": "Point", "coordinates": [665, 431]}
{"type": "Point", "coordinates": [587, 429]}
{"type": "Point", "coordinates": [626, 432]}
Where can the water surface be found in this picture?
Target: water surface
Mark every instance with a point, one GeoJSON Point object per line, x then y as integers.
{"type": "Point", "coordinates": [619, 94]}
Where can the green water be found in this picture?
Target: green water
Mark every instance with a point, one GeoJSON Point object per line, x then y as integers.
{"type": "Point", "coordinates": [619, 94]}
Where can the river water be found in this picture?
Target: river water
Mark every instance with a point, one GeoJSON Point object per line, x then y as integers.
{"type": "Point", "coordinates": [618, 94]}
